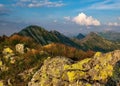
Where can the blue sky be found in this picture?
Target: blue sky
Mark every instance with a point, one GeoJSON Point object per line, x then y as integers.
{"type": "Point", "coordinates": [66, 16]}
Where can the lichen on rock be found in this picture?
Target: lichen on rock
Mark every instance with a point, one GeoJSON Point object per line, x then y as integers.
{"type": "Point", "coordinates": [50, 72]}
{"type": "Point", "coordinates": [1, 83]}
{"type": "Point", "coordinates": [7, 50]}
{"type": "Point", "coordinates": [96, 71]}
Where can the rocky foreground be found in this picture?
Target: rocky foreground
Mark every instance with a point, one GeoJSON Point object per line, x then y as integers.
{"type": "Point", "coordinates": [101, 70]}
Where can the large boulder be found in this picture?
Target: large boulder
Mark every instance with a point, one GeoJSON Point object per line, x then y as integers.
{"type": "Point", "coordinates": [50, 73]}
{"type": "Point", "coordinates": [101, 70]}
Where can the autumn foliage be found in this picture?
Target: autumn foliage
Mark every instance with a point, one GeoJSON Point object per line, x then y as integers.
{"type": "Point", "coordinates": [15, 39]}
{"type": "Point", "coordinates": [57, 49]}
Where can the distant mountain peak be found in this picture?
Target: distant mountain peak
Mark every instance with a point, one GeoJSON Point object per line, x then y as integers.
{"type": "Point", "coordinates": [31, 27]}
{"type": "Point", "coordinates": [43, 37]}
{"type": "Point", "coordinates": [111, 35]}
{"type": "Point", "coordinates": [80, 36]}
{"type": "Point", "coordinates": [94, 41]}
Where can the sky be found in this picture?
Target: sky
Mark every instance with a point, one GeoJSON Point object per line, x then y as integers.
{"type": "Point", "coordinates": [66, 16]}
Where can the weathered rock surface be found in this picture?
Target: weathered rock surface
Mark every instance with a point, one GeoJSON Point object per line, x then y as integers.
{"type": "Point", "coordinates": [20, 48]}
{"type": "Point", "coordinates": [50, 72]}
{"type": "Point", "coordinates": [101, 70]}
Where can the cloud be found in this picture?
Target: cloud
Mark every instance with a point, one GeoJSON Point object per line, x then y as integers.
{"type": "Point", "coordinates": [39, 3]}
{"type": "Point", "coordinates": [106, 4]}
{"type": "Point", "coordinates": [1, 5]}
{"type": "Point", "coordinates": [25, 0]}
{"type": "Point", "coordinates": [67, 18]}
{"type": "Point", "coordinates": [118, 18]}
{"type": "Point", "coordinates": [3, 10]}
{"type": "Point", "coordinates": [46, 4]}
{"type": "Point", "coordinates": [113, 24]}
{"type": "Point", "coordinates": [55, 21]}
{"type": "Point", "coordinates": [83, 19]}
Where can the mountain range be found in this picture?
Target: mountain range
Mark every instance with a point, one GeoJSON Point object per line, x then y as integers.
{"type": "Point", "coordinates": [44, 37]}
{"type": "Point", "coordinates": [111, 35]}
{"type": "Point", "coordinates": [37, 57]}
{"type": "Point", "coordinates": [92, 41]}
{"type": "Point", "coordinates": [97, 43]}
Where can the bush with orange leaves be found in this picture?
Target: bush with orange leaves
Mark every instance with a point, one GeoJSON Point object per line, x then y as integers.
{"type": "Point", "coordinates": [34, 57]}
{"type": "Point", "coordinates": [27, 41]}
{"type": "Point", "coordinates": [57, 49]}
{"type": "Point", "coordinates": [15, 39]}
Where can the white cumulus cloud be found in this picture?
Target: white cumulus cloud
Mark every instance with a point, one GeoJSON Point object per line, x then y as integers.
{"type": "Point", "coordinates": [83, 19]}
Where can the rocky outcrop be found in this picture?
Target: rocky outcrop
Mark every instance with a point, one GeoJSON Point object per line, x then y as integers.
{"type": "Point", "coordinates": [50, 72]}
{"type": "Point", "coordinates": [101, 70]}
